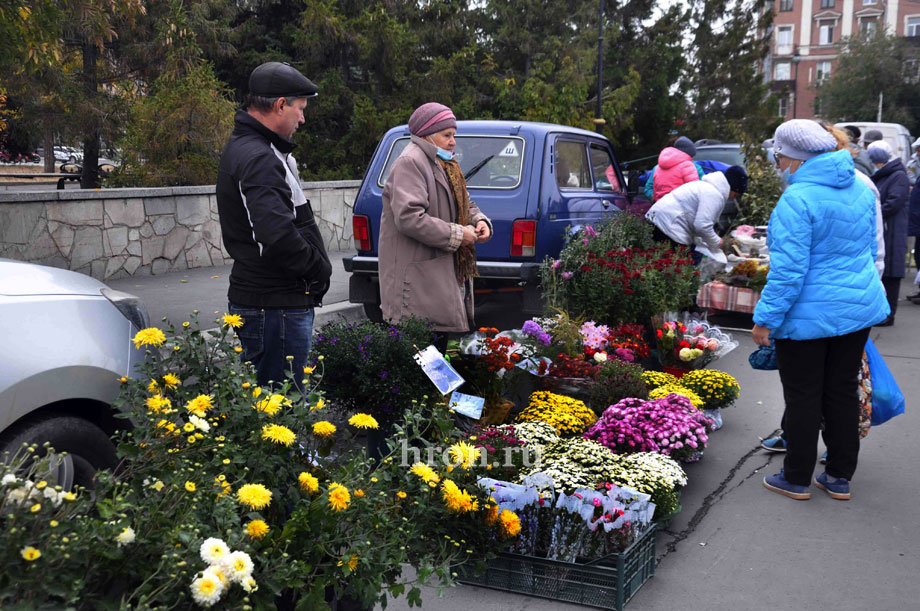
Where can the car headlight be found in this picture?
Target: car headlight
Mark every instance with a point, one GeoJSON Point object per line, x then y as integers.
{"type": "Point", "coordinates": [130, 306]}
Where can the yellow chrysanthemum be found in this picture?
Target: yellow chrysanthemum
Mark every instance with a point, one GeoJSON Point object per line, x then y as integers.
{"type": "Point", "coordinates": [352, 562]}
{"type": "Point", "coordinates": [278, 434]}
{"type": "Point", "coordinates": [363, 421]}
{"type": "Point", "coordinates": [190, 486]}
{"type": "Point", "coordinates": [256, 391]}
{"type": "Point", "coordinates": [319, 405]}
{"type": "Point", "coordinates": [491, 513]}
{"type": "Point", "coordinates": [308, 483]}
{"type": "Point", "coordinates": [232, 320]}
{"type": "Point", "coordinates": [323, 428]}
{"type": "Point", "coordinates": [157, 404]}
{"type": "Point", "coordinates": [339, 498]}
{"type": "Point", "coordinates": [224, 487]}
{"type": "Point", "coordinates": [153, 387]}
{"type": "Point", "coordinates": [456, 500]}
{"type": "Point", "coordinates": [510, 523]}
{"type": "Point", "coordinates": [272, 405]}
{"type": "Point", "coordinates": [150, 336]}
{"type": "Point", "coordinates": [256, 496]}
{"type": "Point", "coordinates": [30, 554]}
{"type": "Point", "coordinates": [677, 389]}
{"type": "Point", "coordinates": [309, 370]}
{"type": "Point", "coordinates": [200, 405]}
{"type": "Point", "coordinates": [359, 494]}
{"type": "Point", "coordinates": [401, 494]}
{"type": "Point", "coordinates": [171, 380]}
{"type": "Point", "coordinates": [426, 473]}
{"type": "Point", "coordinates": [257, 529]}
{"type": "Point", "coordinates": [654, 379]}
{"type": "Point", "coordinates": [463, 454]}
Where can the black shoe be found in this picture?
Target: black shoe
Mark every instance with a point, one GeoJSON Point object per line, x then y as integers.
{"type": "Point", "coordinates": [914, 298]}
{"type": "Point", "coordinates": [885, 323]}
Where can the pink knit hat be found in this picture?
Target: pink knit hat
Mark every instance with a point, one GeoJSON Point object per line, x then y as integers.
{"type": "Point", "coordinates": [431, 118]}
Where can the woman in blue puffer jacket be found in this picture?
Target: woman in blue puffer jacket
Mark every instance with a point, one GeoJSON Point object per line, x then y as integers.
{"type": "Point", "coordinates": [823, 293]}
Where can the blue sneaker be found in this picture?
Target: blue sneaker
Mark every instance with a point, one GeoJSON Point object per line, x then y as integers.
{"type": "Point", "coordinates": [778, 484]}
{"type": "Point", "coordinates": [839, 490]}
{"type": "Point", "coordinates": [774, 444]}
{"type": "Point", "coordinates": [823, 459]}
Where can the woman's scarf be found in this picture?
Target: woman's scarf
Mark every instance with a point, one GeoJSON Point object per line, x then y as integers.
{"type": "Point", "coordinates": [465, 261]}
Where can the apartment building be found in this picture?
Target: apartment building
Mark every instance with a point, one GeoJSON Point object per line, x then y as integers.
{"type": "Point", "coordinates": [806, 40]}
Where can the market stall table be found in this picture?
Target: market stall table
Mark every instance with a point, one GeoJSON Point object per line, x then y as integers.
{"type": "Point", "coordinates": [719, 296]}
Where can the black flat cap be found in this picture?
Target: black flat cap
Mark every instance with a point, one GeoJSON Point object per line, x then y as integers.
{"type": "Point", "coordinates": [280, 80]}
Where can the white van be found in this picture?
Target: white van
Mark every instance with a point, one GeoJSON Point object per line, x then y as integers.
{"type": "Point", "coordinates": [894, 134]}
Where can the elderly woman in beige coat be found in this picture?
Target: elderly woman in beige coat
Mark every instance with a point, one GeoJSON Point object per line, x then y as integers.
{"type": "Point", "coordinates": [429, 229]}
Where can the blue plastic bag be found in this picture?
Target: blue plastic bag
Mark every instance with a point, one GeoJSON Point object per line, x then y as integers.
{"type": "Point", "coordinates": [764, 358]}
{"type": "Point", "coordinates": [887, 398]}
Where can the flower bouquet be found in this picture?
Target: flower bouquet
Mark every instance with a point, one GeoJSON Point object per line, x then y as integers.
{"type": "Point", "coordinates": [669, 426]}
{"type": "Point", "coordinates": [573, 463]}
{"type": "Point", "coordinates": [653, 474]}
{"type": "Point", "coordinates": [569, 416]}
{"type": "Point", "coordinates": [488, 361]}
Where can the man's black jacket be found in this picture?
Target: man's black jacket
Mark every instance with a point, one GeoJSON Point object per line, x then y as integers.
{"type": "Point", "coordinates": [278, 255]}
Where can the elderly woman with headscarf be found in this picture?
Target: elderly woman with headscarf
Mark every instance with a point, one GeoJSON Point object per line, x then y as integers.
{"type": "Point", "coordinates": [823, 293]}
{"type": "Point", "coordinates": [429, 228]}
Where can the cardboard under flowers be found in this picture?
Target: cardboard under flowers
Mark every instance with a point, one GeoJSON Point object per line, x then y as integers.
{"type": "Point", "coordinates": [605, 583]}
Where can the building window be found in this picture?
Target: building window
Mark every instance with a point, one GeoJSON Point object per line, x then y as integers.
{"type": "Point", "coordinates": [786, 5]}
{"type": "Point", "coordinates": [822, 71]}
{"type": "Point", "coordinates": [818, 106]}
{"type": "Point", "coordinates": [869, 2]}
{"type": "Point", "coordinates": [783, 105]}
{"type": "Point", "coordinates": [912, 71]}
{"type": "Point", "coordinates": [825, 32]}
{"type": "Point", "coordinates": [784, 40]}
{"type": "Point", "coordinates": [913, 26]}
{"type": "Point", "coordinates": [782, 71]}
{"type": "Point", "coordinates": [868, 28]}
{"type": "Point", "coordinates": [827, 3]}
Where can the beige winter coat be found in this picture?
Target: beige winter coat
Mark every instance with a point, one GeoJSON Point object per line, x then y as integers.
{"type": "Point", "coordinates": [418, 239]}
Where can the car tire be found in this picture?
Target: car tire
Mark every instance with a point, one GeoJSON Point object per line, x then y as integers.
{"type": "Point", "coordinates": [373, 312]}
{"type": "Point", "coordinates": [88, 447]}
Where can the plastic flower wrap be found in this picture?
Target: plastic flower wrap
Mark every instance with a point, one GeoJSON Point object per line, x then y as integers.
{"type": "Point", "coordinates": [669, 426]}
{"type": "Point", "coordinates": [569, 416]}
{"type": "Point", "coordinates": [588, 522]}
{"type": "Point", "coordinates": [677, 389]}
{"type": "Point", "coordinates": [715, 388]}
{"type": "Point", "coordinates": [718, 342]}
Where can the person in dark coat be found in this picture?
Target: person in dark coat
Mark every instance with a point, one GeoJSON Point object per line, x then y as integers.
{"type": "Point", "coordinates": [894, 192]}
{"type": "Point", "coordinates": [913, 229]}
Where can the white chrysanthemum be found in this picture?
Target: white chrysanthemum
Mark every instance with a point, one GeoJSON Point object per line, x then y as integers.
{"type": "Point", "coordinates": [214, 551]}
{"type": "Point", "coordinates": [126, 536]}
{"type": "Point", "coordinates": [8, 479]}
{"type": "Point", "coordinates": [207, 589]}
{"type": "Point", "coordinates": [19, 495]}
{"type": "Point", "coordinates": [249, 584]}
{"type": "Point", "coordinates": [239, 566]}
{"type": "Point", "coordinates": [56, 497]}
{"type": "Point", "coordinates": [200, 423]}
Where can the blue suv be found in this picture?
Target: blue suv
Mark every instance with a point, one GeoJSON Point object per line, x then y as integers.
{"type": "Point", "coordinates": [533, 180]}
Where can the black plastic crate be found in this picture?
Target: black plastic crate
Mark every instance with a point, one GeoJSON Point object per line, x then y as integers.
{"type": "Point", "coordinates": [606, 583]}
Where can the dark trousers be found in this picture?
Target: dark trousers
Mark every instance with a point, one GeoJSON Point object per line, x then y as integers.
{"type": "Point", "coordinates": [892, 289]}
{"type": "Point", "coordinates": [269, 336]}
{"type": "Point", "coordinates": [819, 379]}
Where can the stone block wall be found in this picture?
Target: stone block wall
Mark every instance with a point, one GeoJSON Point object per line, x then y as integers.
{"type": "Point", "coordinates": [112, 233]}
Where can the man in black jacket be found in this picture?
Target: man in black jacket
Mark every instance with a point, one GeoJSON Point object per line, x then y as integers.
{"type": "Point", "coordinates": [280, 267]}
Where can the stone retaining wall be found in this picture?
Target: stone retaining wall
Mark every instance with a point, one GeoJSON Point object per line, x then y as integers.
{"type": "Point", "coordinates": [112, 233]}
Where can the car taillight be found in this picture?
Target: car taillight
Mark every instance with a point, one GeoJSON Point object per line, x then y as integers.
{"type": "Point", "coordinates": [361, 227]}
{"type": "Point", "coordinates": [523, 238]}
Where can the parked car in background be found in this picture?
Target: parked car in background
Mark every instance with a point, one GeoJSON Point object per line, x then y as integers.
{"type": "Point", "coordinates": [65, 341]}
{"type": "Point", "coordinates": [533, 180]}
{"type": "Point", "coordinates": [894, 134]}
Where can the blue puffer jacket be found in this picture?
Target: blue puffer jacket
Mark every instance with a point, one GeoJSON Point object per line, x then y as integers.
{"type": "Point", "coordinates": [822, 241]}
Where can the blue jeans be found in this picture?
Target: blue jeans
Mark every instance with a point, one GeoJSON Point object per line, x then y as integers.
{"type": "Point", "coordinates": [269, 336]}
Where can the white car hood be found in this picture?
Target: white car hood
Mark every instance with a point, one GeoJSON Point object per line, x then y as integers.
{"type": "Point", "coordinates": [18, 278]}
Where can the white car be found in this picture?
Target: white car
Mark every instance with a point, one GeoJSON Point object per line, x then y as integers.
{"type": "Point", "coordinates": [65, 342]}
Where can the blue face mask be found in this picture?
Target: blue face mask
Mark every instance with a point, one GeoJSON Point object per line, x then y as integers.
{"type": "Point", "coordinates": [445, 154]}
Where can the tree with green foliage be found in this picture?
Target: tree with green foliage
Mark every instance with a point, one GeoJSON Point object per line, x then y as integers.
{"type": "Point", "coordinates": [731, 38]}
{"type": "Point", "coordinates": [869, 66]}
